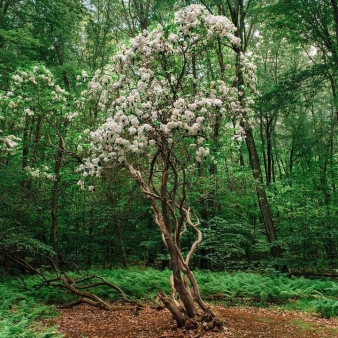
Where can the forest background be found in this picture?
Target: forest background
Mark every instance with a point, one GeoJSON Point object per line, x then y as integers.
{"type": "Point", "coordinates": [267, 200]}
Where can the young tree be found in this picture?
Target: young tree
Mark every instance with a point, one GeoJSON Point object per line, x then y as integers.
{"type": "Point", "coordinates": [161, 109]}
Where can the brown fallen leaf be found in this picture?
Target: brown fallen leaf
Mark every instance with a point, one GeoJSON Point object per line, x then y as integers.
{"type": "Point", "coordinates": [84, 320]}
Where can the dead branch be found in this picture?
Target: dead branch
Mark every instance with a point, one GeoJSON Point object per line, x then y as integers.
{"type": "Point", "coordinates": [96, 304]}
{"type": "Point", "coordinates": [76, 287]}
{"type": "Point", "coordinates": [125, 298]}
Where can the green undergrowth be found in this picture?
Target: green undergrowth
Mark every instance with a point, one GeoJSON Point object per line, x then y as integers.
{"type": "Point", "coordinates": [19, 311]}
{"type": "Point", "coordinates": [320, 296]}
{"type": "Point", "coordinates": [21, 303]}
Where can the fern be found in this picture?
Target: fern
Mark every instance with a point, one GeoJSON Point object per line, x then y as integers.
{"type": "Point", "coordinates": [21, 304]}
{"type": "Point", "coordinates": [18, 310]}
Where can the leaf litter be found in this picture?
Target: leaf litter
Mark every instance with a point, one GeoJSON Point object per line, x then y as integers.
{"type": "Point", "coordinates": [86, 321]}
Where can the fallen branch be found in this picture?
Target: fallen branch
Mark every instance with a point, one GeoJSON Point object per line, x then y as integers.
{"type": "Point", "coordinates": [63, 280]}
{"type": "Point", "coordinates": [75, 286]}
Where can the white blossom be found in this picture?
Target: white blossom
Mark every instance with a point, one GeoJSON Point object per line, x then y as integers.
{"type": "Point", "coordinates": [150, 108]}
{"type": "Point", "coordinates": [17, 78]}
{"type": "Point", "coordinates": [28, 112]}
{"type": "Point", "coordinates": [80, 183]}
{"type": "Point", "coordinates": [58, 89]}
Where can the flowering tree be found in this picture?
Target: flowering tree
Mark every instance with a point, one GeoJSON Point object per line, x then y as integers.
{"type": "Point", "coordinates": [162, 105]}
{"type": "Point", "coordinates": [39, 112]}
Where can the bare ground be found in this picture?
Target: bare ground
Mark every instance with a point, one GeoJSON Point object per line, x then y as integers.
{"type": "Point", "coordinates": [86, 321]}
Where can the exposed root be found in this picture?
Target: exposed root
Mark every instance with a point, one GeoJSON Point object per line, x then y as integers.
{"type": "Point", "coordinates": [207, 320]}
{"type": "Point", "coordinates": [173, 308]}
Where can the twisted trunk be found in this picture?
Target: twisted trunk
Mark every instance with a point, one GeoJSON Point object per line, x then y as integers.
{"type": "Point", "coordinates": [190, 312]}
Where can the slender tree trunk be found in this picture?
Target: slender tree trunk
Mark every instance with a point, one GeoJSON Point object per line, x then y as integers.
{"type": "Point", "coordinates": [54, 208]}
{"type": "Point", "coordinates": [257, 171]}
{"type": "Point", "coordinates": [124, 256]}
{"type": "Point", "coordinates": [261, 194]}
{"type": "Point", "coordinates": [57, 167]}
{"type": "Point", "coordinates": [238, 11]}
{"type": "Point", "coordinates": [25, 147]}
{"type": "Point", "coordinates": [60, 59]}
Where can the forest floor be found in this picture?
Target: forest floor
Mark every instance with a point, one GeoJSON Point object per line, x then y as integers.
{"type": "Point", "coordinates": [86, 321]}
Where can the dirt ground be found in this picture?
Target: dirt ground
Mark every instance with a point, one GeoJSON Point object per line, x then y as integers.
{"type": "Point", "coordinates": [86, 321]}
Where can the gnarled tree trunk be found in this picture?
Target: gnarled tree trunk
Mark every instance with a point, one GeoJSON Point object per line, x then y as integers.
{"type": "Point", "coordinates": [173, 218]}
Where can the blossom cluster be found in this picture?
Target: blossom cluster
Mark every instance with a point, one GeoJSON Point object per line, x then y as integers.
{"type": "Point", "coordinates": [146, 127]}
{"type": "Point", "coordinates": [249, 73]}
{"type": "Point", "coordinates": [147, 93]}
{"type": "Point", "coordinates": [98, 89]}
{"type": "Point", "coordinates": [31, 90]}
{"type": "Point", "coordinates": [37, 74]}
{"type": "Point", "coordinates": [8, 143]}
{"type": "Point", "coordinates": [34, 98]}
{"type": "Point", "coordinates": [193, 16]}
{"type": "Point", "coordinates": [40, 173]}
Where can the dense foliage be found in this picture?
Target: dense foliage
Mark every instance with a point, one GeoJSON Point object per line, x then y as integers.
{"type": "Point", "coordinates": [52, 96]}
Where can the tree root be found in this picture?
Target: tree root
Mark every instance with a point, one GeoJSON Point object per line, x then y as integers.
{"type": "Point", "coordinates": [207, 321]}
{"type": "Point", "coordinates": [173, 308]}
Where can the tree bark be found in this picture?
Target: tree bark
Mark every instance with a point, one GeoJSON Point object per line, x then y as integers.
{"type": "Point", "coordinates": [191, 311]}
{"type": "Point", "coordinates": [54, 208]}
{"type": "Point", "coordinates": [238, 13]}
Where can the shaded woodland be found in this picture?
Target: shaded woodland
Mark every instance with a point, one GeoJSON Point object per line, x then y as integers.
{"type": "Point", "coordinates": [266, 197]}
